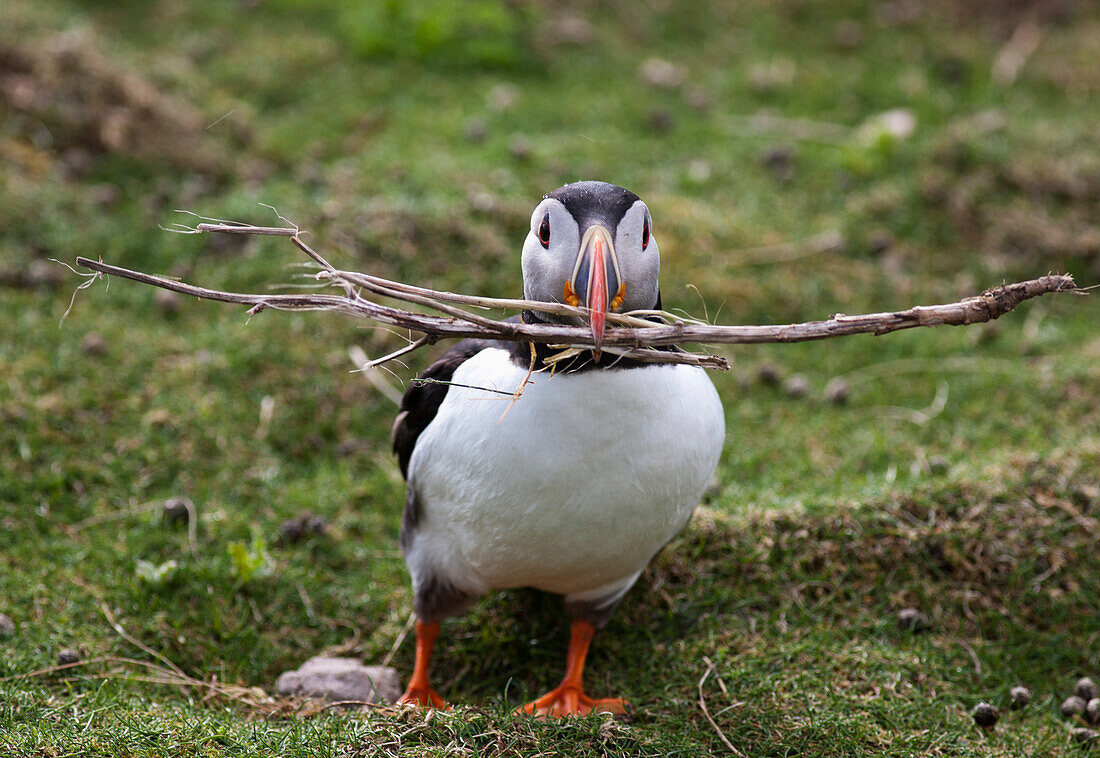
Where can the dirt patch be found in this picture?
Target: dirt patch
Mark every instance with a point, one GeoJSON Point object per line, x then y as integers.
{"type": "Point", "coordinates": [967, 556]}
{"type": "Point", "coordinates": [69, 97]}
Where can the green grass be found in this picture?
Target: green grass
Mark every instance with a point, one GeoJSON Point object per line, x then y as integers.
{"type": "Point", "coordinates": [960, 477]}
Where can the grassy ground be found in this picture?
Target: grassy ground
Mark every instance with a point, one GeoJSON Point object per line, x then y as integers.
{"type": "Point", "coordinates": [959, 478]}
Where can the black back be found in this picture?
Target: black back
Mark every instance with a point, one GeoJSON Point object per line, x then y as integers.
{"type": "Point", "coordinates": [421, 401]}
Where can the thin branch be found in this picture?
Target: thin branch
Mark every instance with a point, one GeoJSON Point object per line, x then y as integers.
{"type": "Point", "coordinates": [706, 711]}
{"type": "Point", "coordinates": [138, 643]}
{"type": "Point", "coordinates": [632, 336]}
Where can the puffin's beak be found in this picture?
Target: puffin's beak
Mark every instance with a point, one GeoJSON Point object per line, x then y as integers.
{"type": "Point", "coordinates": [595, 276]}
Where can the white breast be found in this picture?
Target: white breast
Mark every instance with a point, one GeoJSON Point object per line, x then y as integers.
{"type": "Point", "coordinates": [575, 489]}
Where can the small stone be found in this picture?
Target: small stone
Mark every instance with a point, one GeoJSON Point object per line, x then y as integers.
{"type": "Point", "coordinates": [520, 147]}
{"type": "Point", "coordinates": [1092, 711]}
{"type": "Point", "coordinates": [780, 161]}
{"type": "Point", "coordinates": [836, 391]}
{"type": "Point", "coordinates": [879, 241]}
{"type": "Point", "coordinates": [660, 120]}
{"type": "Point", "coordinates": [897, 124]}
{"type": "Point", "coordinates": [106, 195]}
{"type": "Point", "coordinates": [476, 131]}
{"type": "Point", "coordinates": [661, 73]}
{"type": "Point", "coordinates": [1085, 736]}
{"type": "Point", "coordinates": [797, 386]}
{"type": "Point", "coordinates": [1071, 706]}
{"type": "Point", "coordinates": [342, 679]}
{"type": "Point", "coordinates": [42, 273]}
{"type": "Point", "coordinates": [1020, 696]}
{"type": "Point", "coordinates": [7, 626]}
{"type": "Point", "coordinates": [307, 524]}
{"type": "Point", "coordinates": [167, 301]}
{"type": "Point", "coordinates": [93, 343]}
{"type": "Point", "coordinates": [848, 34]}
{"type": "Point", "coordinates": [503, 97]}
{"type": "Point", "coordinates": [699, 171]}
{"type": "Point", "coordinates": [985, 715]}
{"type": "Point", "coordinates": [697, 98]}
{"type": "Point", "coordinates": [67, 655]}
{"type": "Point", "coordinates": [564, 28]}
{"type": "Point", "coordinates": [912, 620]}
{"type": "Point", "coordinates": [768, 374]}
{"type": "Point", "coordinates": [1085, 689]}
{"type": "Point", "coordinates": [77, 161]}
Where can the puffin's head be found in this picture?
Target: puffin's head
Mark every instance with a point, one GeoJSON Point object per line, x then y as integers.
{"type": "Point", "coordinates": [591, 244]}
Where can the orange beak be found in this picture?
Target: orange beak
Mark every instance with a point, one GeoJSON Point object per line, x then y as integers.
{"type": "Point", "coordinates": [595, 276]}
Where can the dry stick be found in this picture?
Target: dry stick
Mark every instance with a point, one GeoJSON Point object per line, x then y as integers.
{"type": "Point", "coordinates": [438, 326]}
{"type": "Point", "coordinates": [706, 711]}
{"type": "Point", "coordinates": [635, 342]}
{"type": "Point", "coordinates": [138, 643]}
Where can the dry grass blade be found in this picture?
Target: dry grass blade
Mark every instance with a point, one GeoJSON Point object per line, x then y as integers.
{"type": "Point", "coordinates": [632, 336]}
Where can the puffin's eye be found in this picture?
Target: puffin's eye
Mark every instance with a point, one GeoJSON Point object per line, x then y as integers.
{"type": "Point", "coordinates": [544, 231]}
{"type": "Point", "coordinates": [645, 233]}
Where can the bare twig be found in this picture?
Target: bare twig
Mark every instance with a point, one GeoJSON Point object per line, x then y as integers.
{"type": "Point", "coordinates": [1012, 58]}
{"type": "Point", "coordinates": [410, 622]}
{"type": "Point", "coordinates": [706, 711]}
{"type": "Point", "coordinates": [631, 336]}
{"type": "Point", "coordinates": [138, 643]}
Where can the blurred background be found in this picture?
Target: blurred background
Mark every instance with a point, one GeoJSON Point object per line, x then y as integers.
{"type": "Point", "coordinates": [800, 158]}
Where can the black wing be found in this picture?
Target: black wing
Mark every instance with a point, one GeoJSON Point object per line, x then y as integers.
{"type": "Point", "coordinates": [421, 400]}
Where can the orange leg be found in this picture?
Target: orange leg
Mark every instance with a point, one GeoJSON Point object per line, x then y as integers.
{"type": "Point", "coordinates": [420, 692]}
{"type": "Point", "coordinates": [568, 698]}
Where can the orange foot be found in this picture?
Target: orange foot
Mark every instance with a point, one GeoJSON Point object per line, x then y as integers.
{"type": "Point", "coordinates": [425, 697]}
{"type": "Point", "coordinates": [569, 700]}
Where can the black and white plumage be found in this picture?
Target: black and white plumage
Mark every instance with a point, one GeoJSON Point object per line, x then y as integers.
{"type": "Point", "coordinates": [594, 469]}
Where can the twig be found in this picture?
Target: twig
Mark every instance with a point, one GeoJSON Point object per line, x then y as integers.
{"type": "Point", "coordinates": [629, 335]}
{"type": "Point", "coordinates": [253, 697]}
{"type": "Point", "coordinates": [409, 623]}
{"type": "Point", "coordinates": [973, 656]}
{"type": "Point", "coordinates": [422, 381]}
{"type": "Point", "coordinates": [359, 358]}
{"type": "Point", "coordinates": [1014, 55]}
{"type": "Point", "coordinates": [706, 711]}
{"type": "Point", "coordinates": [522, 385]}
{"type": "Point", "coordinates": [139, 644]}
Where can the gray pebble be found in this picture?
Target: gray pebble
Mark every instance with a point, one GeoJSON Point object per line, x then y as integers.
{"type": "Point", "coordinates": [1085, 736]}
{"type": "Point", "coordinates": [912, 620]}
{"type": "Point", "coordinates": [1086, 689]}
{"type": "Point", "coordinates": [168, 301]}
{"type": "Point", "coordinates": [836, 391]}
{"type": "Point", "coordinates": [797, 386]}
{"type": "Point", "coordinates": [342, 679]}
{"type": "Point", "coordinates": [476, 131]}
{"type": "Point", "coordinates": [93, 343]}
{"type": "Point", "coordinates": [519, 147]}
{"type": "Point", "coordinates": [7, 626]}
{"type": "Point", "coordinates": [67, 655]}
{"type": "Point", "coordinates": [985, 715]}
{"type": "Point", "coordinates": [1071, 706]}
{"type": "Point", "coordinates": [296, 529]}
{"type": "Point", "coordinates": [768, 374]}
{"type": "Point", "coordinates": [1020, 696]}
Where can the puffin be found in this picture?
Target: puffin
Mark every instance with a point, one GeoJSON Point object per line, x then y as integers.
{"type": "Point", "coordinates": [573, 486]}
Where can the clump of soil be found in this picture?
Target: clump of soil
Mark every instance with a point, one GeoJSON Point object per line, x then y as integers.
{"type": "Point", "coordinates": [91, 106]}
